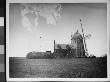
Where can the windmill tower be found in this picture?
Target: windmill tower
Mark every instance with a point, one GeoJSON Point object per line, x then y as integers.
{"type": "Point", "coordinates": [84, 42]}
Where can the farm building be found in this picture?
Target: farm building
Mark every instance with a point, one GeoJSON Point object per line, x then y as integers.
{"type": "Point", "coordinates": [75, 48]}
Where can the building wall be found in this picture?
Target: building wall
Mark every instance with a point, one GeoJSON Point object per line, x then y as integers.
{"type": "Point", "coordinates": [78, 42]}
{"type": "Point", "coordinates": [65, 53]}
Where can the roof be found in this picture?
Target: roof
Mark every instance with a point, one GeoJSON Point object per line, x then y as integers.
{"type": "Point", "coordinates": [77, 35]}
{"type": "Point", "coordinates": [63, 46]}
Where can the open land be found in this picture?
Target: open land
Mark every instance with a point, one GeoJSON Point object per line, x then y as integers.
{"type": "Point", "coordinates": [20, 67]}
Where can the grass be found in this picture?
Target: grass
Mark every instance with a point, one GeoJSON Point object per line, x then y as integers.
{"type": "Point", "coordinates": [58, 68]}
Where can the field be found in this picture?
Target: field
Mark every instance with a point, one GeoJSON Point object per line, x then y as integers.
{"type": "Point", "coordinates": [58, 68]}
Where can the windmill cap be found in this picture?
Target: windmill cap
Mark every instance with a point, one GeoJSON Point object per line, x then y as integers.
{"type": "Point", "coordinates": [77, 35]}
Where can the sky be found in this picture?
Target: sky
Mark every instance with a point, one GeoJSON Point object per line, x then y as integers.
{"type": "Point", "coordinates": [49, 22]}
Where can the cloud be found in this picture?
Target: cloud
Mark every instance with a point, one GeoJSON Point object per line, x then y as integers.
{"type": "Point", "coordinates": [30, 13]}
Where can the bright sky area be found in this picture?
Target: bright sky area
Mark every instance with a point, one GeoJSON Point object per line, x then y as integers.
{"type": "Point", "coordinates": [56, 22]}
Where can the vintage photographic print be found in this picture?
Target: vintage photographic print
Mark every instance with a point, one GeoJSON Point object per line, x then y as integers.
{"type": "Point", "coordinates": [57, 41]}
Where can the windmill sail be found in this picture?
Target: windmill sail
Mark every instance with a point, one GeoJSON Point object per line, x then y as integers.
{"type": "Point", "coordinates": [85, 47]}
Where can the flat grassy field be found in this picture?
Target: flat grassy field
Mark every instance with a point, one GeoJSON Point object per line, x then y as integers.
{"type": "Point", "coordinates": [58, 68]}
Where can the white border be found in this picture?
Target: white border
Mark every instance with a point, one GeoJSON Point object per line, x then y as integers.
{"type": "Point", "coordinates": [108, 38]}
{"type": "Point", "coordinates": [56, 1]}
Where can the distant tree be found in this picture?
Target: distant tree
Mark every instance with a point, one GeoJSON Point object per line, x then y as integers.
{"type": "Point", "coordinates": [68, 51]}
{"type": "Point", "coordinates": [29, 55]}
{"type": "Point", "coordinates": [68, 47]}
{"type": "Point", "coordinates": [105, 56]}
{"type": "Point", "coordinates": [59, 46]}
{"type": "Point", "coordinates": [36, 55]}
{"type": "Point", "coordinates": [60, 49]}
{"type": "Point", "coordinates": [92, 56]}
{"type": "Point", "coordinates": [60, 53]}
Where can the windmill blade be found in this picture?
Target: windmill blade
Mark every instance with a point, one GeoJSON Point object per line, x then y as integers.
{"type": "Point", "coordinates": [87, 36]}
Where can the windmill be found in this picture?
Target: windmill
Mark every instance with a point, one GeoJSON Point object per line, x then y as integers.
{"type": "Point", "coordinates": [84, 39]}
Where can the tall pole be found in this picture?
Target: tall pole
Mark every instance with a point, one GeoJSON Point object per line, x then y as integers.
{"type": "Point", "coordinates": [85, 48]}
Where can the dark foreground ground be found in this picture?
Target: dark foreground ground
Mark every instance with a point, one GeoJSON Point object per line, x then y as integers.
{"type": "Point", "coordinates": [58, 68]}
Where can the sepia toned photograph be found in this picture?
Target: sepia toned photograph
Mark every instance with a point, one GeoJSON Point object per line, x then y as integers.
{"type": "Point", "coordinates": [57, 40]}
